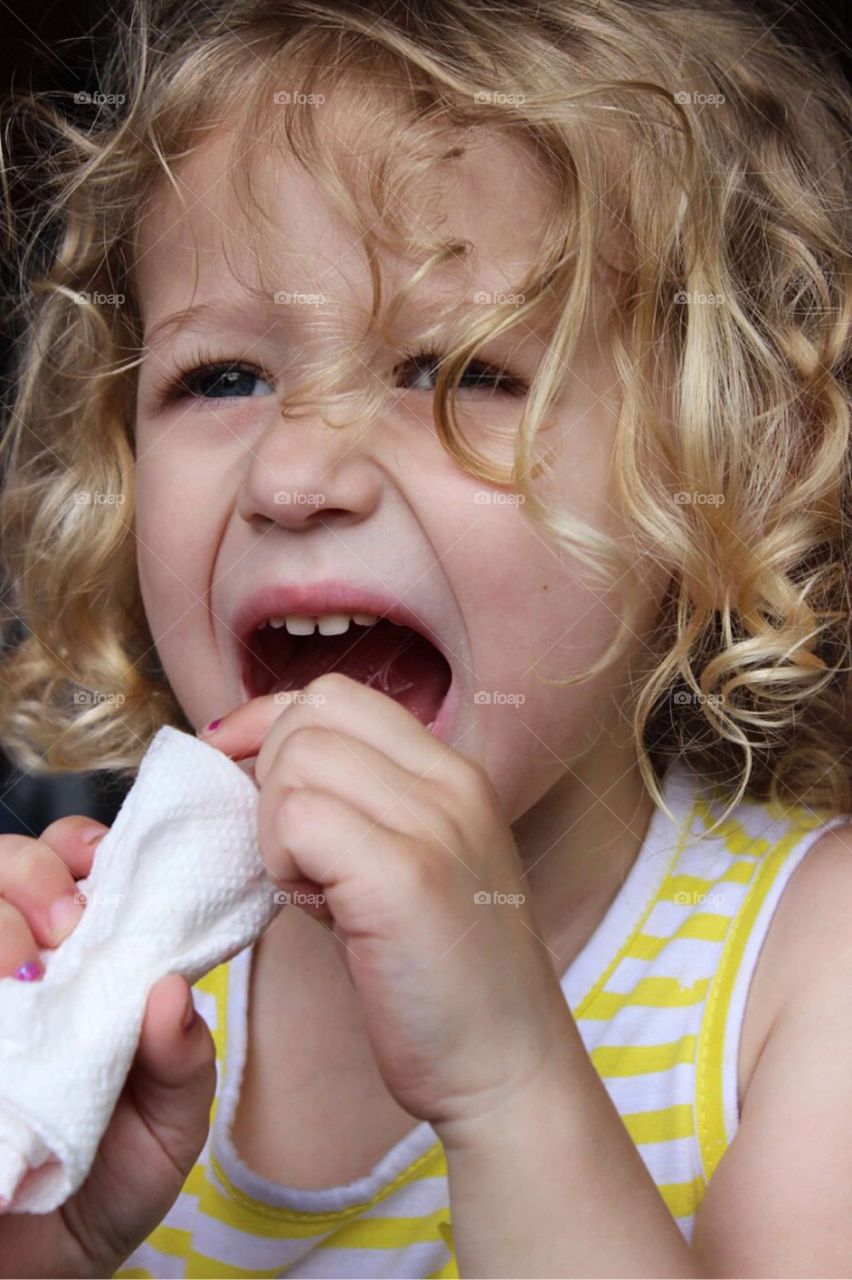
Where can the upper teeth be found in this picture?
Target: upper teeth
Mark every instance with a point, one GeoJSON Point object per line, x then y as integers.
{"type": "Point", "coordinates": [330, 624]}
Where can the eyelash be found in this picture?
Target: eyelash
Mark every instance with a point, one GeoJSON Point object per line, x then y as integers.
{"type": "Point", "coordinates": [177, 387]}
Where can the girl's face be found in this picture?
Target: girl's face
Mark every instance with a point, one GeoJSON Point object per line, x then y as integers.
{"type": "Point", "coordinates": [384, 510]}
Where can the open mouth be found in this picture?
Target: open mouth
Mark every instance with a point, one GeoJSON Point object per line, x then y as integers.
{"type": "Point", "coordinates": [284, 654]}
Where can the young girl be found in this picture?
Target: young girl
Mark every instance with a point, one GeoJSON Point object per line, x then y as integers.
{"type": "Point", "coordinates": [444, 409]}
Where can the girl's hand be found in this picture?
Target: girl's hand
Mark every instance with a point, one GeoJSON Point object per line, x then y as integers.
{"type": "Point", "coordinates": [403, 836]}
{"type": "Point", "coordinates": [160, 1121]}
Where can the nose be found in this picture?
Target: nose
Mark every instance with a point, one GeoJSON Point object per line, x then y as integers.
{"type": "Point", "coordinates": [303, 472]}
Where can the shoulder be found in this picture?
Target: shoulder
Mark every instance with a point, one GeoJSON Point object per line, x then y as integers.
{"type": "Point", "coordinates": [810, 929]}
{"type": "Point", "coordinates": [776, 1202]}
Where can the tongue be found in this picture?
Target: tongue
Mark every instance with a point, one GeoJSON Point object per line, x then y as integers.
{"type": "Point", "coordinates": [392, 659]}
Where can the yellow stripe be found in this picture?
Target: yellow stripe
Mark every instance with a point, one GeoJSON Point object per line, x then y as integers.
{"type": "Point", "coordinates": [682, 1198]}
{"type": "Point", "coordinates": [450, 1269]}
{"type": "Point", "coordinates": [738, 839]}
{"type": "Point", "coordinates": [691, 889]}
{"type": "Point", "coordinates": [362, 1233]}
{"type": "Point", "coordinates": [649, 993]}
{"type": "Point", "coordinates": [388, 1233]}
{"type": "Point", "coordinates": [708, 926]}
{"type": "Point", "coordinates": [712, 1138]}
{"type": "Point", "coordinates": [197, 1180]}
{"type": "Point", "coordinates": [200, 1266]}
{"type": "Point", "coordinates": [638, 1059]}
{"type": "Point", "coordinates": [170, 1240]}
{"type": "Point", "coordinates": [705, 926]}
{"type": "Point", "coordinates": [646, 946]}
{"type": "Point", "coordinates": [662, 1125]}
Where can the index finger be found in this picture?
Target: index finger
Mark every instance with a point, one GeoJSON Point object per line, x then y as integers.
{"type": "Point", "coordinates": [334, 701]}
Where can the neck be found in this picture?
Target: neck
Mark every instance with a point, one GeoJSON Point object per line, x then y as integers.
{"type": "Point", "coordinates": [577, 845]}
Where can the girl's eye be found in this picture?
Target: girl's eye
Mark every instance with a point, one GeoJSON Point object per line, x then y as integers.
{"type": "Point", "coordinates": [220, 382]}
{"type": "Point", "coordinates": [476, 376]}
{"type": "Point", "coordinates": [228, 380]}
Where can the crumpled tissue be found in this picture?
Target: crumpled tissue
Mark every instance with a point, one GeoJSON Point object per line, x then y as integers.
{"type": "Point", "coordinates": [176, 886]}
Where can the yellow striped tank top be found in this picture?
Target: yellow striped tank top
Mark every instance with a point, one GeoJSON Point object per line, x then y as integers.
{"type": "Point", "coordinates": [658, 993]}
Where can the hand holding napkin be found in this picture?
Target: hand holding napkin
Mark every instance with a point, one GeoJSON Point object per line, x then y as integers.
{"type": "Point", "coordinates": [177, 886]}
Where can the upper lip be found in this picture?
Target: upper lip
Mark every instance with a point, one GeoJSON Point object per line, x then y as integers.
{"type": "Point", "coordinates": [322, 597]}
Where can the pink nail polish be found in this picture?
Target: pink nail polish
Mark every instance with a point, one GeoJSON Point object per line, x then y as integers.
{"type": "Point", "coordinates": [31, 971]}
{"type": "Point", "coordinates": [211, 727]}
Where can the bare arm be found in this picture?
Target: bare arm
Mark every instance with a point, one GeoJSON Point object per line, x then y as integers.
{"type": "Point", "coordinates": [551, 1184]}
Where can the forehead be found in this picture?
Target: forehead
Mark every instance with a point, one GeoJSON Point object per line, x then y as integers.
{"type": "Point", "coordinates": [261, 221]}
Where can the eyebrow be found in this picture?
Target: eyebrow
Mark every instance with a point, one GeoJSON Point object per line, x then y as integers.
{"type": "Point", "coordinates": [206, 315]}
{"type": "Point", "coordinates": [203, 315]}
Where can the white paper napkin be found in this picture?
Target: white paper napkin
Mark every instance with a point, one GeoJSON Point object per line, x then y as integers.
{"type": "Point", "coordinates": [177, 886]}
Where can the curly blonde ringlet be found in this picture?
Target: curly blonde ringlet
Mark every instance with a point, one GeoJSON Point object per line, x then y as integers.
{"type": "Point", "coordinates": [689, 154]}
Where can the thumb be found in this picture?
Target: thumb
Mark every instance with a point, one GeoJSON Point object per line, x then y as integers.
{"type": "Point", "coordinates": [173, 1077]}
{"type": "Point", "coordinates": [155, 1135]}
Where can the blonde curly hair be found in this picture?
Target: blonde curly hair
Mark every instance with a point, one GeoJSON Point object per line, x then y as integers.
{"type": "Point", "coordinates": [713, 145]}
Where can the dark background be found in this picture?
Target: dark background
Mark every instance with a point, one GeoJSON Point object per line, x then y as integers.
{"type": "Point", "coordinates": [54, 46]}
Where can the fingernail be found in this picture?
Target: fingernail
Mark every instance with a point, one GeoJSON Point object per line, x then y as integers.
{"type": "Point", "coordinates": [31, 971]}
{"type": "Point", "coordinates": [63, 915]}
{"type": "Point", "coordinates": [92, 835]}
{"type": "Point", "coordinates": [189, 1015]}
{"type": "Point", "coordinates": [211, 727]}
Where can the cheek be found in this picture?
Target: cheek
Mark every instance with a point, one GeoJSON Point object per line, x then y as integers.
{"type": "Point", "coordinates": [540, 621]}
{"type": "Point", "coordinates": [178, 505]}
{"type": "Point", "coordinates": [175, 539]}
